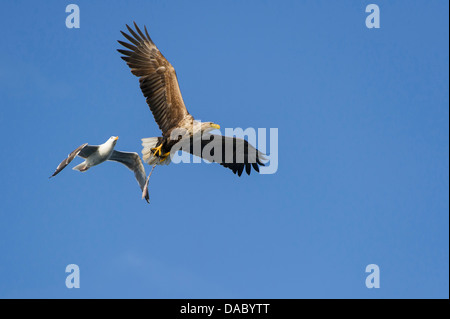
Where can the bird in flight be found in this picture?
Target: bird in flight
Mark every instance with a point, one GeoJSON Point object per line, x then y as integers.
{"type": "Point", "coordinates": [159, 85]}
{"type": "Point", "coordinates": [97, 154]}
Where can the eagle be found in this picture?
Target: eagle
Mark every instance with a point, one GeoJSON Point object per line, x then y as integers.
{"type": "Point", "coordinates": [180, 131]}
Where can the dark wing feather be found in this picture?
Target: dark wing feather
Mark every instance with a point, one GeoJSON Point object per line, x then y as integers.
{"type": "Point", "coordinates": [88, 150]}
{"type": "Point", "coordinates": [157, 78]}
{"type": "Point", "coordinates": [69, 159]}
{"type": "Point", "coordinates": [230, 152]}
{"type": "Point", "coordinates": [134, 163]}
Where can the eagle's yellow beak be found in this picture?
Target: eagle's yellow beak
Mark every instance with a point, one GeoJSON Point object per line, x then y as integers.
{"type": "Point", "coordinates": [116, 138]}
{"type": "Point", "coordinates": [216, 126]}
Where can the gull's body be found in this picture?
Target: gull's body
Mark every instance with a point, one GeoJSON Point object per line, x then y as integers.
{"type": "Point", "coordinates": [97, 154]}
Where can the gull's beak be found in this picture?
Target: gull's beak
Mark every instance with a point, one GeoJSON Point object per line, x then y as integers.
{"type": "Point", "coordinates": [116, 138]}
{"type": "Point", "coordinates": [216, 126]}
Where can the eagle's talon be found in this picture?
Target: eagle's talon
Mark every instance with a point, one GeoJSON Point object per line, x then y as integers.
{"type": "Point", "coordinates": [157, 150]}
{"type": "Point", "coordinates": [163, 157]}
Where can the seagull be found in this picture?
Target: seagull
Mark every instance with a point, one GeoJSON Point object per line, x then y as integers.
{"type": "Point", "coordinates": [97, 154]}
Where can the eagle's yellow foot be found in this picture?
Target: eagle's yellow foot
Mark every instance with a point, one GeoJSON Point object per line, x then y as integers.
{"type": "Point", "coordinates": [157, 150]}
{"type": "Point", "coordinates": [164, 156]}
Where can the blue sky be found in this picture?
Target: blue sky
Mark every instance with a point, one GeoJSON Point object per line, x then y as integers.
{"type": "Point", "coordinates": [363, 174]}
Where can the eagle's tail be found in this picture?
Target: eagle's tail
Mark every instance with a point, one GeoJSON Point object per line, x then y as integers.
{"type": "Point", "coordinates": [147, 153]}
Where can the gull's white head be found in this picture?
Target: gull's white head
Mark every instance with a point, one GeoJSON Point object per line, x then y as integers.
{"type": "Point", "coordinates": [113, 139]}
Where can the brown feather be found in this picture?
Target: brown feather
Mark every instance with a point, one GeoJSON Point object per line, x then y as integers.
{"type": "Point", "coordinates": [157, 78]}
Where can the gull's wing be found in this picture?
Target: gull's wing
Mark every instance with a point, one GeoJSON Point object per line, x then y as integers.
{"type": "Point", "coordinates": [157, 79]}
{"type": "Point", "coordinates": [134, 163]}
{"type": "Point", "coordinates": [88, 150]}
{"type": "Point", "coordinates": [70, 158]}
{"type": "Point", "coordinates": [232, 152]}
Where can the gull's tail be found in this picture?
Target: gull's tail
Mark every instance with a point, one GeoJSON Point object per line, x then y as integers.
{"type": "Point", "coordinates": [147, 153]}
{"type": "Point", "coordinates": [81, 167]}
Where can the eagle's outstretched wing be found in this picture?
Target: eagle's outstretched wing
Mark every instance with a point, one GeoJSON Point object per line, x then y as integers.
{"type": "Point", "coordinates": [230, 152]}
{"type": "Point", "coordinates": [157, 78]}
